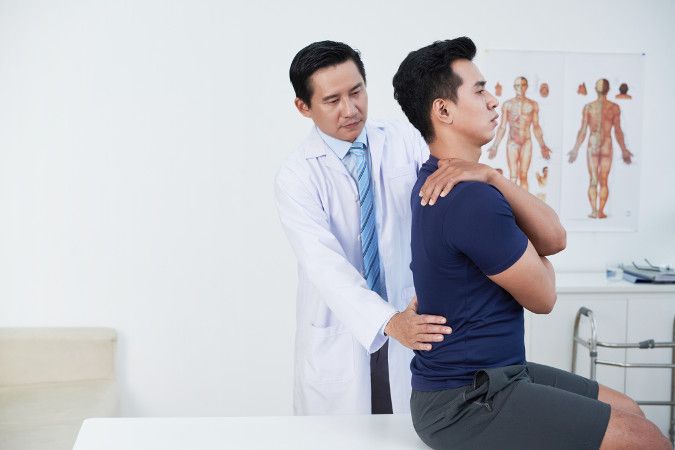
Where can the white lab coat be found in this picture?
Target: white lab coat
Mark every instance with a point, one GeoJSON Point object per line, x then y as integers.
{"type": "Point", "coordinates": [339, 320]}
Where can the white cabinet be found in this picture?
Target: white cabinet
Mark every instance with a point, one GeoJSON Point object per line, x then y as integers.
{"type": "Point", "coordinates": [624, 312]}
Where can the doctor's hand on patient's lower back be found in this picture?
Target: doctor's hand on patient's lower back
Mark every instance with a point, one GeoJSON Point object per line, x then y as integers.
{"type": "Point", "coordinates": [416, 331]}
{"type": "Point", "coordinates": [449, 173]}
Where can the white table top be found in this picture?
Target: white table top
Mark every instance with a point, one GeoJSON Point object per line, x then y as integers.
{"type": "Point", "coordinates": [374, 432]}
{"type": "Point", "coordinates": [596, 282]}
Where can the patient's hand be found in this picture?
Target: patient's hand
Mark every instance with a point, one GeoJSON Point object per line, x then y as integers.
{"type": "Point", "coordinates": [449, 173]}
{"type": "Point", "coordinates": [415, 331]}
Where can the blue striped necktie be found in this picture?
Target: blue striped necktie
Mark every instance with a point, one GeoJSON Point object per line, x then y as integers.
{"type": "Point", "coordinates": [369, 250]}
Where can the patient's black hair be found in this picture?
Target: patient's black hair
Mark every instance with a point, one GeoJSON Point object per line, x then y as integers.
{"type": "Point", "coordinates": [425, 75]}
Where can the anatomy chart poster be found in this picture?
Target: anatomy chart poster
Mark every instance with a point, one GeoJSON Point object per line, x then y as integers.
{"type": "Point", "coordinates": [570, 132]}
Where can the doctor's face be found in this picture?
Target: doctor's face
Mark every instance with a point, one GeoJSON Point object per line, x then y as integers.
{"type": "Point", "coordinates": [339, 102]}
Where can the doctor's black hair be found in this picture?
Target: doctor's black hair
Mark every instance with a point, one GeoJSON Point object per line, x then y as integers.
{"type": "Point", "coordinates": [425, 75]}
{"type": "Point", "coordinates": [318, 55]}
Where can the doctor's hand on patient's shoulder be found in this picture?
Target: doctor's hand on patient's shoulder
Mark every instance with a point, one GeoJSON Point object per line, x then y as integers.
{"type": "Point", "coordinates": [450, 172]}
{"type": "Point", "coordinates": [416, 331]}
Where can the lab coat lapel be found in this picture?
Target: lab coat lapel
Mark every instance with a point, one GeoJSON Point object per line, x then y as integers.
{"type": "Point", "coordinates": [376, 138]}
{"type": "Point", "coordinates": [334, 163]}
{"type": "Point", "coordinates": [376, 149]}
{"type": "Point", "coordinates": [317, 148]}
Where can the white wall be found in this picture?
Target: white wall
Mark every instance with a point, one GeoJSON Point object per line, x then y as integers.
{"type": "Point", "coordinates": [139, 141]}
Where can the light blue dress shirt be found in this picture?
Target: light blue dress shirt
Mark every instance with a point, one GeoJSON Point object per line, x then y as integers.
{"type": "Point", "coordinates": [341, 150]}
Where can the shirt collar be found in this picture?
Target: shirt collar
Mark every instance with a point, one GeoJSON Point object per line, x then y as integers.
{"type": "Point", "coordinates": [341, 148]}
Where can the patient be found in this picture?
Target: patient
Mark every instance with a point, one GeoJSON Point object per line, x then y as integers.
{"type": "Point", "coordinates": [478, 258]}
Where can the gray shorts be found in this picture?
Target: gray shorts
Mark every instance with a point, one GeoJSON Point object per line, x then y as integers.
{"type": "Point", "coordinates": [516, 407]}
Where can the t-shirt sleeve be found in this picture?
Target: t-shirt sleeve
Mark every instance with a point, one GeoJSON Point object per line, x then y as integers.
{"type": "Point", "coordinates": [479, 222]}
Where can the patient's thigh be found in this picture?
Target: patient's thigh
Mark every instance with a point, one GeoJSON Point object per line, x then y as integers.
{"type": "Point", "coordinates": [546, 418]}
{"type": "Point", "coordinates": [562, 379]}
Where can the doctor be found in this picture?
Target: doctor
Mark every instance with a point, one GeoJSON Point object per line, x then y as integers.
{"type": "Point", "coordinates": [343, 199]}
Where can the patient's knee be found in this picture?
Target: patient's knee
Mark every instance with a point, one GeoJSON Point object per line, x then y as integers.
{"type": "Point", "coordinates": [632, 407]}
{"type": "Point", "coordinates": [619, 400]}
{"type": "Point", "coordinates": [626, 430]}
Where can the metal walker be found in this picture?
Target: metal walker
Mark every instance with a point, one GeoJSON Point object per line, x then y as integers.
{"type": "Point", "coordinates": [592, 345]}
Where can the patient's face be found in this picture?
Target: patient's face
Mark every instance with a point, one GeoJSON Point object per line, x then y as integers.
{"type": "Point", "coordinates": [475, 115]}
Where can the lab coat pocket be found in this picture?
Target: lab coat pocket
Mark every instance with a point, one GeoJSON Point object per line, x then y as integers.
{"type": "Point", "coordinates": [330, 356]}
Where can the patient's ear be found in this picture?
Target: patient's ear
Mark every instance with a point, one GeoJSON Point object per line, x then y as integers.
{"type": "Point", "coordinates": [302, 107]}
{"type": "Point", "coordinates": [443, 111]}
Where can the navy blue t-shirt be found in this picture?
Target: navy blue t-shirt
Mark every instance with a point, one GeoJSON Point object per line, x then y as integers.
{"type": "Point", "coordinates": [465, 236]}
